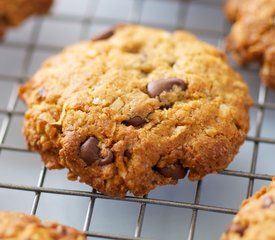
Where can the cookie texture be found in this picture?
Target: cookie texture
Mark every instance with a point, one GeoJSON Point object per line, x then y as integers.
{"type": "Point", "coordinates": [252, 37]}
{"type": "Point", "coordinates": [12, 13]}
{"type": "Point", "coordinates": [135, 108]}
{"type": "Point", "coordinates": [256, 217]}
{"type": "Point", "coordinates": [20, 226]}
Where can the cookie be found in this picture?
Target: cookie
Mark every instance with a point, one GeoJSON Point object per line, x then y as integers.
{"type": "Point", "coordinates": [252, 37]}
{"type": "Point", "coordinates": [235, 9]}
{"type": "Point", "coordinates": [256, 217]}
{"type": "Point", "coordinates": [135, 108]}
{"type": "Point", "coordinates": [19, 226]}
{"type": "Point", "coordinates": [12, 13]}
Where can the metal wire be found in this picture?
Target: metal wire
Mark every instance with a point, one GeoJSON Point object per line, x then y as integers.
{"type": "Point", "coordinates": [89, 213]}
{"type": "Point", "coordinates": [195, 212]}
{"type": "Point", "coordinates": [140, 219]}
{"type": "Point", "coordinates": [259, 124]}
{"type": "Point", "coordinates": [10, 111]}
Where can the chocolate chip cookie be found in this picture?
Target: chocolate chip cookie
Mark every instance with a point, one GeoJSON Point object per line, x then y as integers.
{"type": "Point", "coordinates": [19, 226]}
{"type": "Point", "coordinates": [12, 13]}
{"type": "Point", "coordinates": [252, 37]}
{"type": "Point", "coordinates": [135, 108]}
{"type": "Point", "coordinates": [256, 217]}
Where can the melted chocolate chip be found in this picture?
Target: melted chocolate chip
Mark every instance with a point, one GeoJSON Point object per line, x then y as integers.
{"type": "Point", "coordinates": [175, 171]}
{"type": "Point", "coordinates": [107, 34]}
{"type": "Point", "coordinates": [108, 159]}
{"type": "Point", "coordinates": [104, 35]}
{"type": "Point", "coordinates": [236, 228]}
{"type": "Point", "coordinates": [267, 202]}
{"type": "Point", "coordinates": [89, 151]}
{"type": "Point", "coordinates": [135, 121]}
{"type": "Point", "coordinates": [155, 88]}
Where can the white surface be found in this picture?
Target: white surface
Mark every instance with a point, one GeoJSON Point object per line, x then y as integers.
{"type": "Point", "coordinates": [66, 26]}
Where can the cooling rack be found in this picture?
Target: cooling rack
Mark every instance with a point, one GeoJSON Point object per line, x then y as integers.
{"type": "Point", "coordinates": [189, 210]}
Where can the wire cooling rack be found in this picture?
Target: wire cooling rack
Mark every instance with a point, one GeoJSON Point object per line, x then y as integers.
{"type": "Point", "coordinates": [199, 210]}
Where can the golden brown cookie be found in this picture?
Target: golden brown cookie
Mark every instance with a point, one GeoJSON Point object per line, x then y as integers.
{"type": "Point", "coordinates": [13, 12]}
{"type": "Point", "coordinates": [136, 108]}
{"type": "Point", "coordinates": [256, 217]}
{"type": "Point", "coordinates": [236, 9]}
{"type": "Point", "coordinates": [20, 226]}
{"type": "Point", "coordinates": [252, 37]}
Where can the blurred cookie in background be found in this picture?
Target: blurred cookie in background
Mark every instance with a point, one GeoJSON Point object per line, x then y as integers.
{"type": "Point", "coordinates": [14, 12]}
{"type": "Point", "coordinates": [252, 37]}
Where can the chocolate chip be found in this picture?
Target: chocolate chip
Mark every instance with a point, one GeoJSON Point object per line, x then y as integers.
{"type": "Point", "coordinates": [104, 35]}
{"type": "Point", "coordinates": [155, 88]}
{"type": "Point", "coordinates": [267, 202]}
{"type": "Point", "coordinates": [108, 159]}
{"type": "Point", "coordinates": [175, 171]}
{"type": "Point", "coordinates": [236, 228]}
{"type": "Point", "coordinates": [135, 121]}
{"type": "Point", "coordinates": [89, 151]}
{"type": "Point", "coordinates": [107, 34]}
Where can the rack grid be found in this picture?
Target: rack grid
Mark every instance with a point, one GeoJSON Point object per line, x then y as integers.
{"type": "Point", "coordinates": [21, 53]}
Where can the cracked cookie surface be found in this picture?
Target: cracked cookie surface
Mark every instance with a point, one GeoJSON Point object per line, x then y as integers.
{"type": "Point", "coordinates": [252, 37]}
{"type": "Point", "coordinates": [20, 226]}
{"type": "Point", "coordinates": [13, 12]}
{"type": "Point", "coordinates": [135, 108]}
{"type": "Point", "coordinates": [256, 217]}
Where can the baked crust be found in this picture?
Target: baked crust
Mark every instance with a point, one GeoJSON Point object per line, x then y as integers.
{"type": "Point", "coordinates": [12, 13]}
{"type": "Point", "coordinates": [252, 37]}
{"type": "Point", "coordinates": [20, 226]}
{"type": "Point", "coordinates": [256, 217]}
{"type": "Point", "coordinates": [93, 91]}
